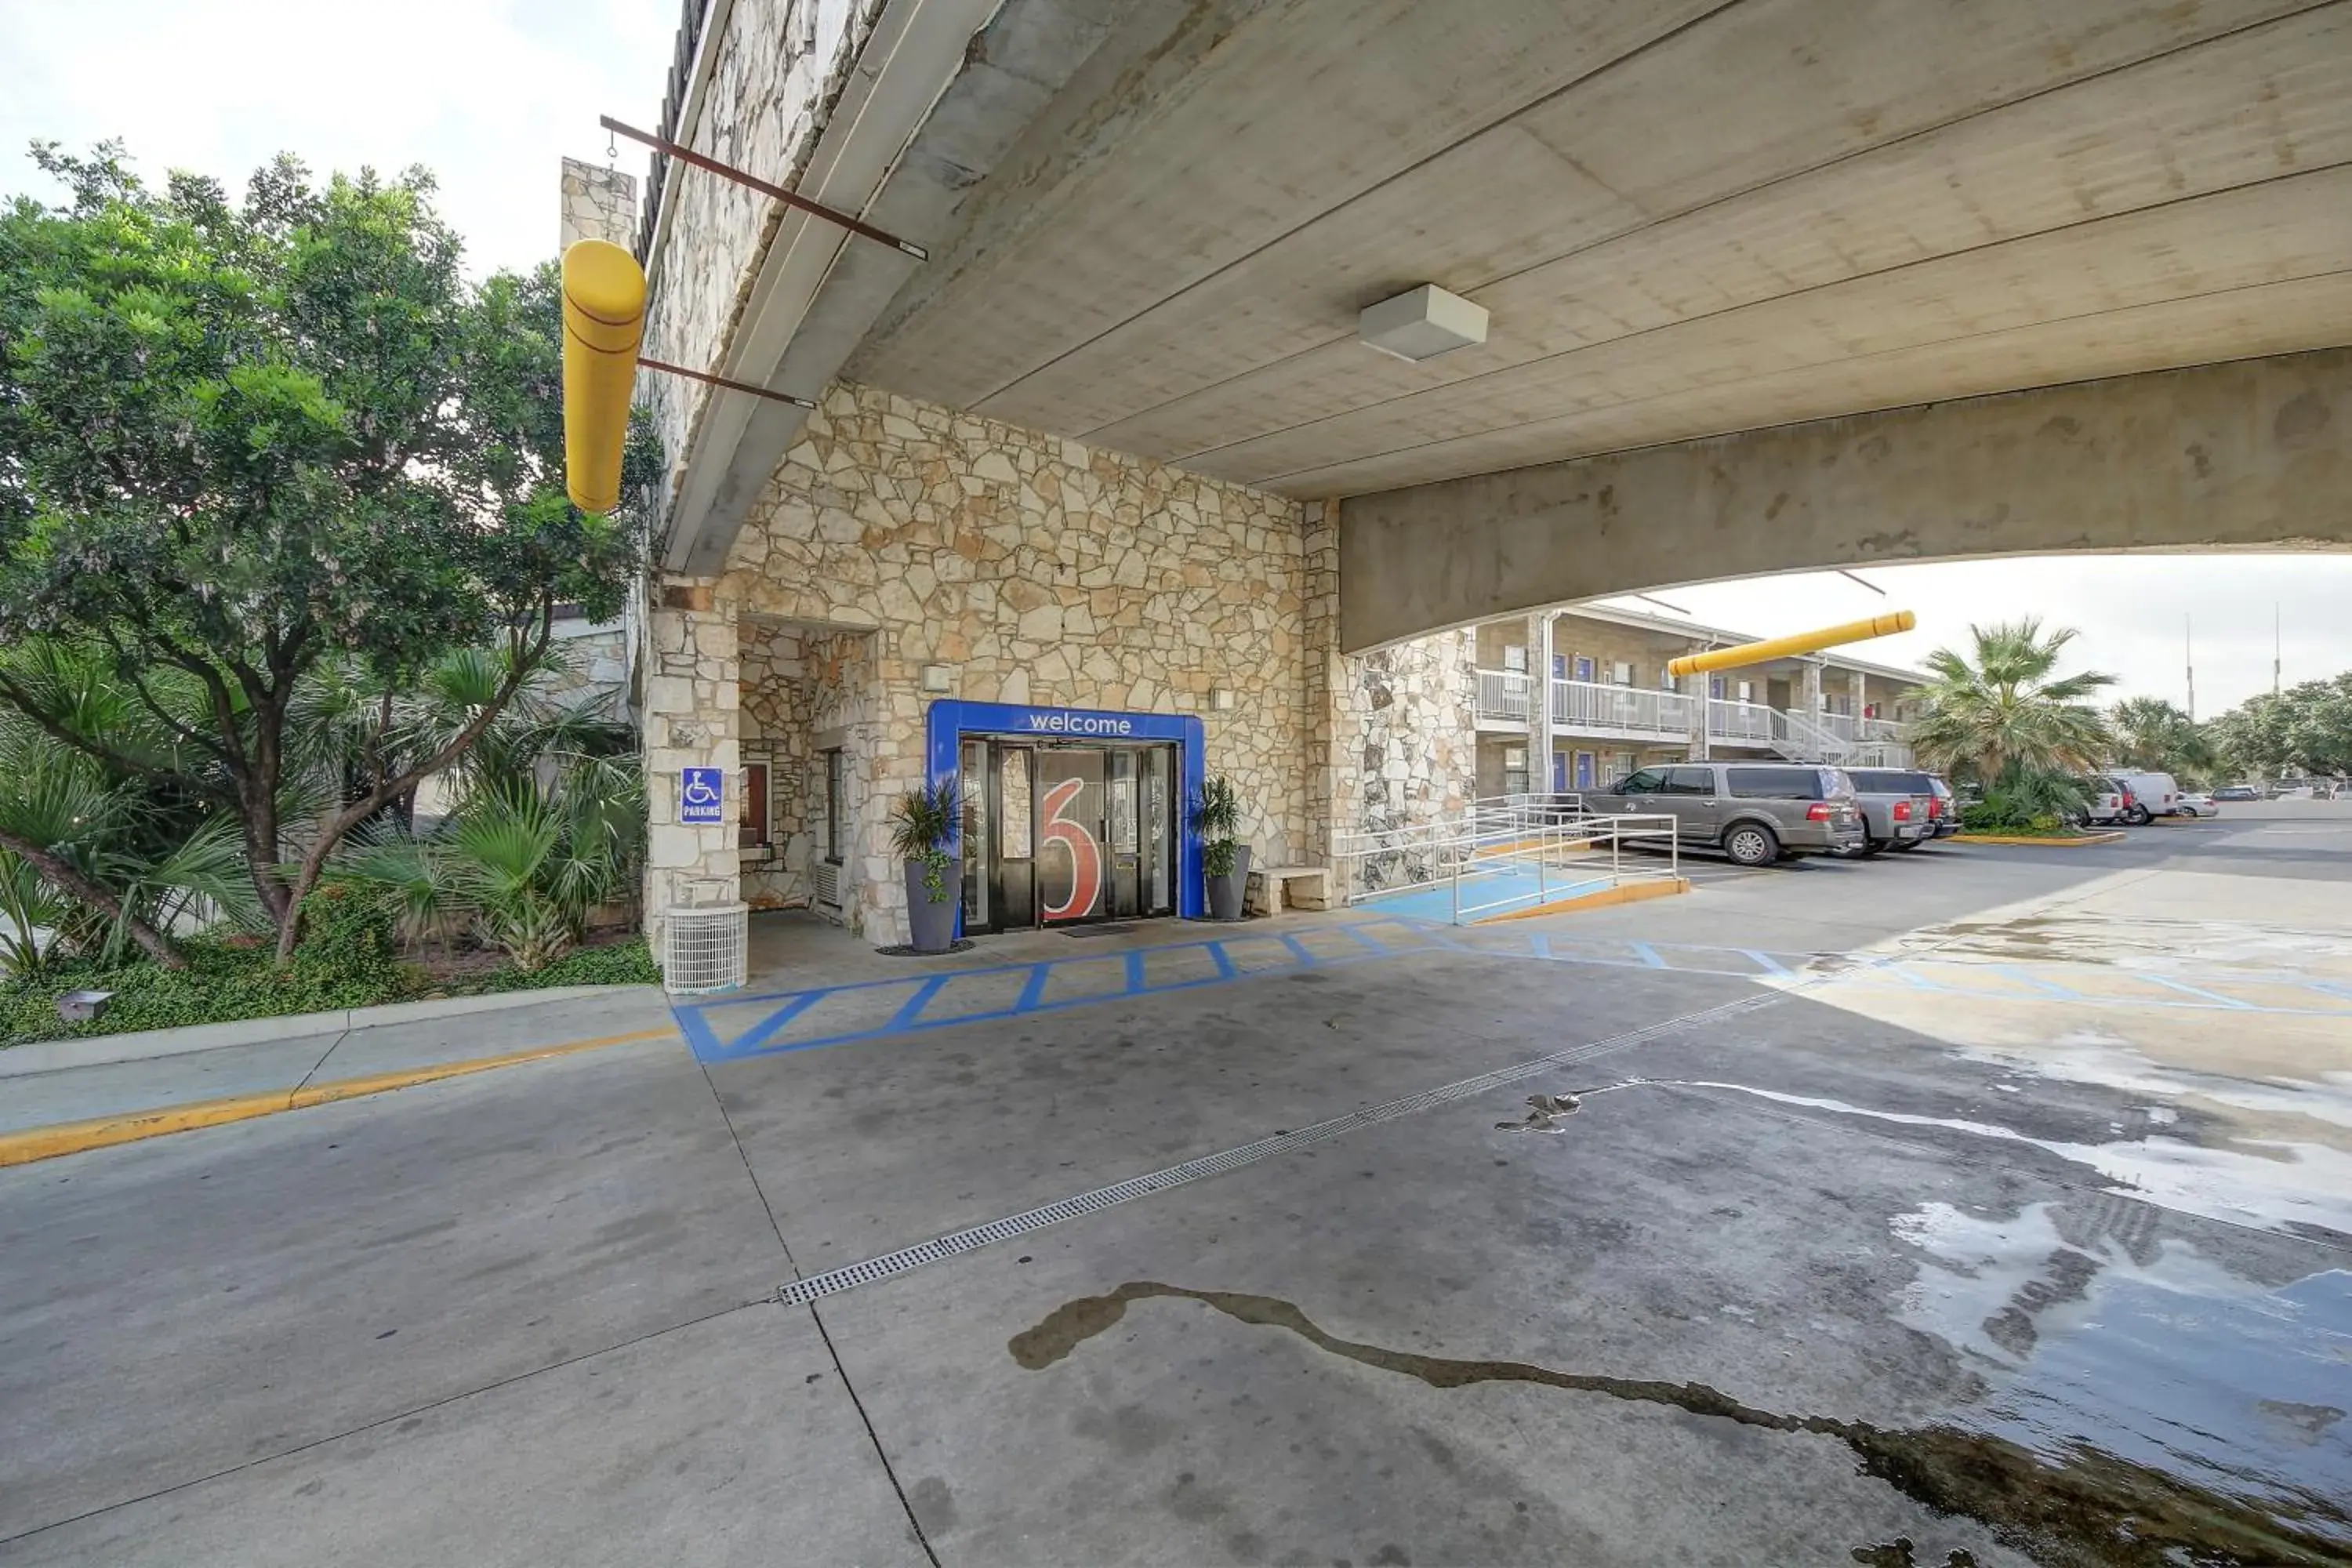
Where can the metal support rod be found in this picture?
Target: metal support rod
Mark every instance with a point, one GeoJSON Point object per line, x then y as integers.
{"type": "Point", "coordinates": [729, 384]}
{"type": "Point", "coordinates": [790, 199]}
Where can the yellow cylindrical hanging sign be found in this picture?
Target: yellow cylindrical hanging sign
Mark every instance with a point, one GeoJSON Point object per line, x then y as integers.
{"type": "Point", "coordinates": [1749, 652]}
{"type": "Point", "coordinates": [603, 323]}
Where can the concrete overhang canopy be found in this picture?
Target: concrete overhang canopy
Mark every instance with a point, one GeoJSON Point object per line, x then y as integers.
{"type": "Point", "coordinates": [1697, 218]}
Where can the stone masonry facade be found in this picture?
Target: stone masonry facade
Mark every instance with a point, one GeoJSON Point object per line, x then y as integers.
{"type": "Point", "coordinates": [1036, 571]}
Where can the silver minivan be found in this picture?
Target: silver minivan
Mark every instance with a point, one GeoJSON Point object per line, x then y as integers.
{"type": "Point", "coordinates": [1754, 811]}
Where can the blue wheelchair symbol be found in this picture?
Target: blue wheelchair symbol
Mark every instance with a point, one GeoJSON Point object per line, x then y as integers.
{"type": "Point", "coordinates": [701, 796]}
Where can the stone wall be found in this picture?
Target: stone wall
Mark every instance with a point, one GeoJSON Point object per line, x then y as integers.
{"type": "Point", "coordinates": [778, 729]}
{"type": "Point", "coordinates": [1410, 718]}
{"type": "Point", "coordinates": [779, 69]}
{"type": "Point", "coordinates": [1037, 571]}
{"type": "Point", "coordinates": [598, 203]}
{"type": "Point", "coordinates": [689, 712]}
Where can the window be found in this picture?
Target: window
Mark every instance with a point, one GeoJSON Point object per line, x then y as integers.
{"type": "Point", "coordinates": [836, 806]}
{"type": "Point", "coordinates": [1695, 781]}
{"type": "Point", "coordinates": [1622, 672]}
{"type": "Point", "coordinates": [1583, 668]}
{"type": "Point", "coordinates": [752, 833]}
{"type": "Point", "coordinates": [1666, 679]}
{"type": "Point", "coordinates": [1515, 659]}
{"type": "Point", "coordinates": [1624, 764]}
{"type": "Point", "coordinates": [1649, 781]}
{"type": "Point", "coordinates": [1775, 784]}
{"type": "Point", "coordinates": [1715, 687]}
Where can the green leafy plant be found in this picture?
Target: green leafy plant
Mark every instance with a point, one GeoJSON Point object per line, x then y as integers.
{"type": "Point", "coordinates": [923, 822]}
{"type": "Point", "coordinates": [2004, 704]}
{"type": "Point", "coordinates": [279, 458]}
{"type": "Point", "coordinates": [1216, 821]}
{"type": "Point", "coordinates": [2023, 800]}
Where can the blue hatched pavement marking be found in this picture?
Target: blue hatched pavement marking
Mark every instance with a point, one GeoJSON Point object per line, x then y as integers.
{"type": "Point", "coordinates": [2213, 997]}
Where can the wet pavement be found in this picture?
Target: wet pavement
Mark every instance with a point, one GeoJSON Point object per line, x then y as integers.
{"type": "Point", "coordinates": [1981, 1207]}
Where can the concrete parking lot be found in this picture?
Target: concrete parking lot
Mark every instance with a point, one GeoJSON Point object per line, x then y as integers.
{"type": "Point", "coordinates": [1986, 1204]}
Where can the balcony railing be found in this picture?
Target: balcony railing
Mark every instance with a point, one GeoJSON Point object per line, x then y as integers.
{"type": "Point", "coordinates": [1590, 706]}
{"type": "Point", "coordinates": [1502, 694]}
{"type": "Point", "coordinates": [1751, 722]}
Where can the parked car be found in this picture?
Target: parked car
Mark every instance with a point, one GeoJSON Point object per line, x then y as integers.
{"type": "Point", "coordinates": [2104, 799]}
{"type": "Point", "coordinates": [2153, 795]}
{"type": "Point", "coordinates": [1898, 807]}
{"type": "Point", "coordinates": [2237, 791]}
{"type": "Point", "coordinates": [2192, 804]}
{"type": "Point", "coordinates": [1754, 811]}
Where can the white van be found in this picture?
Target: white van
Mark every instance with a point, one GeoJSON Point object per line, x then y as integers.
{"type": "Point", "coordinates": [2152, 795]}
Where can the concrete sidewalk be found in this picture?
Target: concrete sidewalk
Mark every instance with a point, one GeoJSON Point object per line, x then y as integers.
{"type": "Point", "coordinates": [71, 1107]}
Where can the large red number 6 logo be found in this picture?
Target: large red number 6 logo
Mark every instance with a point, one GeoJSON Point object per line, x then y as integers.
{"type": "Point", "coordinates": [1086, 855]}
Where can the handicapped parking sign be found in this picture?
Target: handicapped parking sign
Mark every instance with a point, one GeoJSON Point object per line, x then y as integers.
{"type": "Point", "coordinates": [701, 793]}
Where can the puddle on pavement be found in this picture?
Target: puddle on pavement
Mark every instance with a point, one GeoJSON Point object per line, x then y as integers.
{"type": "Point", "coordinates": [2093, 1326]}
{"type": "Point", "coordinates": [2132, 943]}
{"type": "Point", "coordinates": [2296, 1188]}
{"type": "Point", "coordinates": [2079, 1504]}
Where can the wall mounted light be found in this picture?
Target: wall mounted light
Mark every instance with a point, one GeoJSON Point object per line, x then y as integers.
{"type": "Point", "coordinates": [939, 677]}
{"type": "Point", "coordinates": [1221, 698]}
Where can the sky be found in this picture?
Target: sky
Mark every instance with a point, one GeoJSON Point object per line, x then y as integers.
{"type": "Point", "coordinates": [2137, 615]}
{"type": "Point", "coordinates": [490, 94]}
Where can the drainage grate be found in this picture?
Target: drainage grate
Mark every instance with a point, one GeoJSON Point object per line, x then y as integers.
{"type": "Point", "coordinates": [955, 1243]}
{"type": "Point", "coordinates": [1080, 933]}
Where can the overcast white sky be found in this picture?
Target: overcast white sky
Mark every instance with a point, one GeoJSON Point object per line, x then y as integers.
{"type": "Point", "coordinates": [490, 93]}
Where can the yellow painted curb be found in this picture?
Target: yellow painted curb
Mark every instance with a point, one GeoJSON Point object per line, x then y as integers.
{"type": "Point", "coordinates": [2073, 842]}
{"type": "Point", "coordinates": [1623, 894]}
{"type": "Point", "coordinates": [105, 1132]}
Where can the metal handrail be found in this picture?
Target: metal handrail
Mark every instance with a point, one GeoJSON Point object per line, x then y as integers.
{"type": "Point", "coordinates": [1458, 852]}
{"type": "Point", "coordinates": [1731, 721]}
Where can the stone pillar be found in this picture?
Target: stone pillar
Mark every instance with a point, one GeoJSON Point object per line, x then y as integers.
{"type": "Point", "coordinates": [598, 203]}
{"type": "Point", "coordinates": [1860, 686]}
{"type": "Point", "coordinates": [688, 706]}
{"type": "Point", "coordinates": [1809, 703]}
{"type": "Point", "coordinates": [1539, 702]}
{"type": "Point", "coordinates": [1696, 686]}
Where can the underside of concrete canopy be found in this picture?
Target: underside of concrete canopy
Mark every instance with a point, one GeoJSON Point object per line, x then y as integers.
{"type": "Point", "coordinates": [1152, 226]}
{"type": "Point", "coordinates": [2250, 455]}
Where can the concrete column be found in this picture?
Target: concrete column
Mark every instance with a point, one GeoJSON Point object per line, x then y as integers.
{"type": "Point", "coordinates": [1539, 702]}
{"type": "Point", "coordinates": [1695, 686]}
{"type": "Point", "coordinates": [688, 708]}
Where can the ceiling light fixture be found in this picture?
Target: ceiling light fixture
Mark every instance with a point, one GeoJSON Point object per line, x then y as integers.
{"type": "Point", "coordinates": [1422, 324]}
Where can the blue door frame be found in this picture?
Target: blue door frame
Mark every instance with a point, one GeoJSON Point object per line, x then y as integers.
{"type": "Point", "coordinates": [950, 720]}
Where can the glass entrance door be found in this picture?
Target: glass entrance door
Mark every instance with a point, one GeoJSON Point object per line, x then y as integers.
{"type": "Point", "coordinates": [1055, 834]}
{"type": "Point", "coordinates": [1071, 879]}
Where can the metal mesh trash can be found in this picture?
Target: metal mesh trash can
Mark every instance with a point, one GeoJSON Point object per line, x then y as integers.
{"type": "Point", "coordinates": [703, 948]}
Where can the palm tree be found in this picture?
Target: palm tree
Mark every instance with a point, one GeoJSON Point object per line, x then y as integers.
{"type": "Point", "coordinates": [2154, 735]}
{"type": "Point", "coordinates": [2003, 714]}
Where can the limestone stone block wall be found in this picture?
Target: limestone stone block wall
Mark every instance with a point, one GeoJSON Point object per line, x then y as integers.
{"type": "Point", "coordinates": [689, 712]}
{"type": "Point", "coordinates": [1037, 571]}
{"type": "Point", "coordinates": [598, 203]}
{"type": "Point", "coordinates": [778, 729]}
{"type": "Point", "coordinates": [1411, 711]}
{"type": "Point", "coordinates": [779, 68]}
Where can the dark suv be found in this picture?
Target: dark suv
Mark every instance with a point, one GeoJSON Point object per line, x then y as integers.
{"type": "Point", "coordinates": [1754, 811]}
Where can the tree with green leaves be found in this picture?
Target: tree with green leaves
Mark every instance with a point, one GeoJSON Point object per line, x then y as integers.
{"type": "Point", "coordinates": [2307, 726]}
{"type": "Point", "coordinates": [2155, 736]}
{"type": "Point", "coordinates": [256, 448]}
{"type": "Point", "coordinates": [2002, 710]}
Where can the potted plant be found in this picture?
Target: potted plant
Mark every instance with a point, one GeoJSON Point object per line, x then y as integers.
{"type": "Point", "coordinates": [1224, 860]}
{"type": "Point", "coordinates": [922, 826]}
